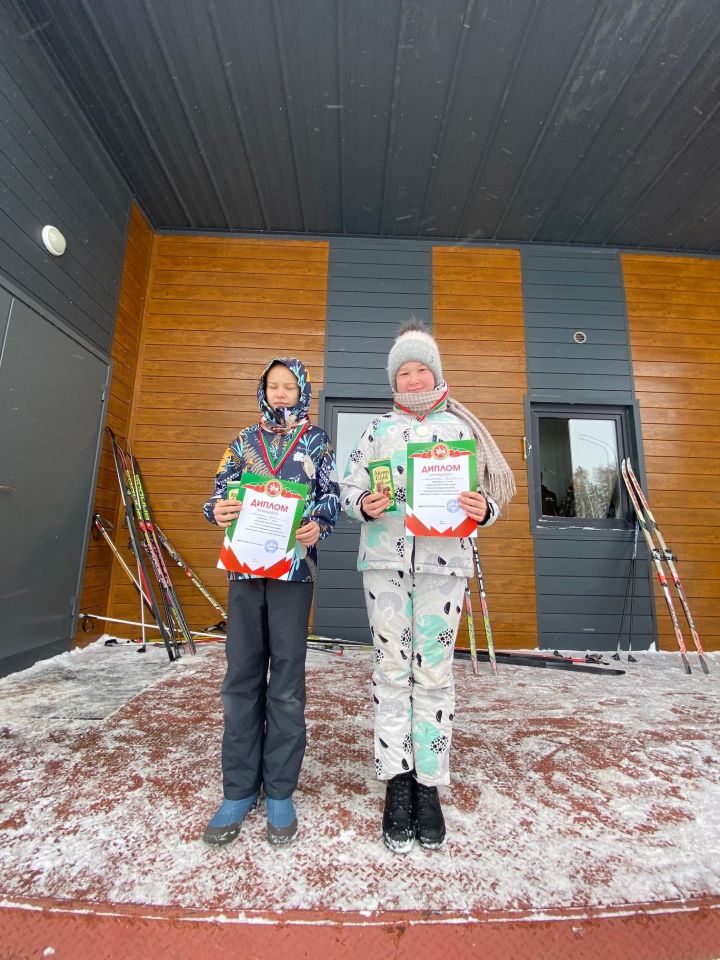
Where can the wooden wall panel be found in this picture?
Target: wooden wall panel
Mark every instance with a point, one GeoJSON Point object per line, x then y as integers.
{"type": "Point", "coordinates": [217, 310]}
{"type": "Point", "coordinates": [674, 320]}
{"type": "Point", "coordinates": [478, 322]}
{"type": "Point", "coordinates": [124, 355]}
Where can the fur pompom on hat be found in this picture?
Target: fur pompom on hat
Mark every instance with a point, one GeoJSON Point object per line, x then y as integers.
{"type": "Point", "coordinates": [414, 343]}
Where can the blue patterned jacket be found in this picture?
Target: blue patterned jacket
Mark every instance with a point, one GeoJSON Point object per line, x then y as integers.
{"type": "Point", "coordinates": [311, 462]}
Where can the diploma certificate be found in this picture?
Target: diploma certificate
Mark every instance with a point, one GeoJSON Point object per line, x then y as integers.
{"type": "Point", "coordinates": [261, 542]}
{"type": "Point", "coordinates": [437, 474]}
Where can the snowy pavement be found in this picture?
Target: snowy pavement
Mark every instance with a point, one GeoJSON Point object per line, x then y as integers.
{"type": "Point", "coordinates": [569, 791]}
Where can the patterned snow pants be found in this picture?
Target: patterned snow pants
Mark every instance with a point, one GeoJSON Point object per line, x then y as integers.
{"type": "Point", "coordinates": [414, 622]}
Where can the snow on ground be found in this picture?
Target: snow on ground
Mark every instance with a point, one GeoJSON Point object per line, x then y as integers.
{"type": "Point", "coordinates": [568, 790]}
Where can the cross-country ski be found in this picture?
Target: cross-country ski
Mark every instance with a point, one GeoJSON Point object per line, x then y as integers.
{"type": "Point", "coordinates": [648, 526]}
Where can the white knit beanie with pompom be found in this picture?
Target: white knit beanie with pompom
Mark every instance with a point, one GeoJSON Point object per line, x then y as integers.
{"type": "Point", "coordinates": [414, 343]}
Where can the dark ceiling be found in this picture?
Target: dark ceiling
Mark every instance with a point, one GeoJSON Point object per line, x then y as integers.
{"type": "Point", "coordinates": [565, 121]}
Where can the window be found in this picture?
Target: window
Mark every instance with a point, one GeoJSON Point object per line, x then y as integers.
{"type": "Point", "coordinates": [345, 422]}
{"type": "Point", "coordinates": [577, 464]}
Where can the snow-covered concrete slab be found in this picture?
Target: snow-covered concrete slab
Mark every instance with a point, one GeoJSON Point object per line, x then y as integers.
{"type": "Point", "coordinates": [569, 791]}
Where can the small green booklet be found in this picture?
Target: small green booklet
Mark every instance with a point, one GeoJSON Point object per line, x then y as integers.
{"type": "Point", "coordinates": [381, 481]}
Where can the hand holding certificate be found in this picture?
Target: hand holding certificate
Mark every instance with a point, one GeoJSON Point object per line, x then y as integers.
{"type": "Point", "coordinates": [261, 541]}
{"type": "Point", "coordinates": [437, 474]}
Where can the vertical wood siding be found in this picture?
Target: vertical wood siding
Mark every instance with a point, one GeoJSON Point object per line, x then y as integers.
{"type": "Point", "coordinates": [125, 346]}
{"type": "Point", "coordinates": [674, 318]}
{"type": "Point", "coordinates": [217, 311]}
{"type": "Point", "coordinates": [478, 321]}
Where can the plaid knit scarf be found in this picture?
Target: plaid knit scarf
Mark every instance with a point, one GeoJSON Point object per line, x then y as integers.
{"type": "Point", "coordinates": [494, 474]}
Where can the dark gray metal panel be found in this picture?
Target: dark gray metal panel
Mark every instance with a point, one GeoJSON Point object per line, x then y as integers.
{"type": "Point", "coordinates": [363, 316]}
{"type": "Point", "coordinates": [563, 309]}
{"type": "Point", "coordinates": [355, 367]}
{"type": "Point", "coordinates": [582, 575]}
{"type": "Point", "coordinates": [378, 272]}
{"type": "Point", "coordinates": [586, 98]}
{"type": "Point", "coordinates": [637, 103]}
{"type": "Point", "coordinates": [551, 48]}
{"type": "Point", "coordinates": [339, 600]}
{"type": "Point", "coordinates": [405, 302]}
{"type": "Point", "coordinates": [53, 169]}
{"type": "Point", "coordinates": [428, 42]}
{"type": "Point", "coordinates": [51, 412]}
{"type": "Point", "coordinates": [588, 121]}
{"type": "Point", "coordinates": [674, 151]}
{"type": "Point", "coordinates": [367, 45]}
{"type": "Point", "coordinates": [557, 336]}
{"type": "Point", "coordinates": [175, 33]}
{"type": "Point", "coordinates": [592, 300]}
{"type": "Point", "coordinates": [376, 319]}
{"type": "Point", "coordinates": [565, 586]}
{"type": "Point", "coordinates": [695, 220]}
{"type": "Point", "coordinates": [544, 349]}
{"type": "Point", "coordinates": [582, 586]}
{"type": "Point", "coordinates": [588, 604]}
{"type": "Point", "coordinates": [314, 105]}
{"type": "Point", "coordinates": [494, 36]}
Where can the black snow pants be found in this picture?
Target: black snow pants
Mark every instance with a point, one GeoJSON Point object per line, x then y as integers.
{"type": "Point", "coordinates": [263, 691]}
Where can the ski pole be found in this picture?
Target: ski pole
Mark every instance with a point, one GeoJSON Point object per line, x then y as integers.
{"type": "Point", "coordinates": [630, 579]}
{"type": "Point", "coordinates": [87, 618]}
{"type": "Point", "coordinates": [102, 526]}
{"type": "Point", "coordinates": [189, 572]}
{"type": "Point", "coordinates": [471, 628]}
{"type": "Point", "coordinates": [326, 648]}
{"type": "Point", "coordinates": [484, 606]}
{"type": "Point", "coordinates": [631, 658]}
{"type": "Point", "coordinates": [334, 642]}
{"type": "Point", "coordinates": [331, 643]}
{"type": "Point", "coordinates": [142, 620]}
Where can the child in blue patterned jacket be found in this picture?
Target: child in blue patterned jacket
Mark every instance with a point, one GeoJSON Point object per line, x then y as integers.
{"type": "Point", "coordinates": [264, 735]}
{"type": "Point", "coordinates": [415, 586]}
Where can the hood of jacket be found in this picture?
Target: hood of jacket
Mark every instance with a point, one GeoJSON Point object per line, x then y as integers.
{"type": "Point", "coordinates": [286, 416]}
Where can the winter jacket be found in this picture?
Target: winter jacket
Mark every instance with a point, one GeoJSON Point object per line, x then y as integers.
{"type": "Point", "coordinates": [311, 462]}
{"type": "Point", "coordinates": [384, 544]}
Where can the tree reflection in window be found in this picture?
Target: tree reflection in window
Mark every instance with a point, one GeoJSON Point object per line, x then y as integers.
{"type": "Point", "coordinates": [579, 468]}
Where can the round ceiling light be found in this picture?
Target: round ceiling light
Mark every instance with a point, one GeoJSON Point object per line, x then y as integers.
{"type": "Point", "coordinates": [54, 241]}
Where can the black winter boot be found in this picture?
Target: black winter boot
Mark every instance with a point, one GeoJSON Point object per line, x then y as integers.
{"type": "Point", "coordinates": [429, 820]}
{"type": "Point", "coordinates": [398, 821]}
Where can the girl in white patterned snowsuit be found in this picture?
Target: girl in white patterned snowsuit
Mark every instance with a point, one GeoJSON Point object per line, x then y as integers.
{"type": "Point", "coordinates": [414, 588]}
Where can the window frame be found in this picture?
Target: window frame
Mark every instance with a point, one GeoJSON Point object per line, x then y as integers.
{"type": "Point", "coordinates": [623, 417]}
{"type": "Point", "coordinates": [332, 406]}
